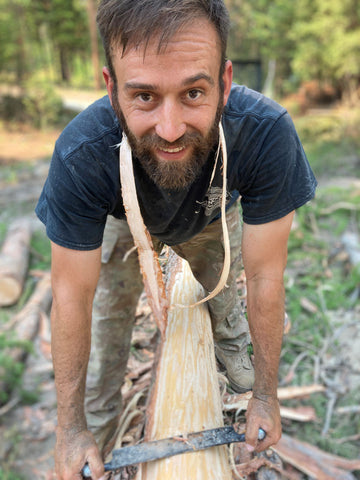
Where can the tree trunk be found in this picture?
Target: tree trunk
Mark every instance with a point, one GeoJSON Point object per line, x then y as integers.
{"type": "Point", "coordinates": [64, 65]}
{"type": "Point", "coordinates": [185, 396]}
{"type": "Point", "coordinates": [91, 4]}
{"type": "Point", "coordinates": [21, 57]}
{"type": "Point", "coordinates": [14, 258]}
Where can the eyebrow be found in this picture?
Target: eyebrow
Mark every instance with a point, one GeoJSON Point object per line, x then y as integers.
{"type": "Point", "coordinates": [150, 87]}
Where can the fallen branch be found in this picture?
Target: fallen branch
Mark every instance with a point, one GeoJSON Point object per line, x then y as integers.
{"type": "Point", "coordinates": [287, 393]}
{"type": "Point", "coordinates": [240, 401]}
{"type": "Point", "coordinates": [299, 414]}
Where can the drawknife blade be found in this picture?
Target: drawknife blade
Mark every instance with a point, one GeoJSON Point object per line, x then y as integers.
{"type": "Point", "coordinates": [168, 447]}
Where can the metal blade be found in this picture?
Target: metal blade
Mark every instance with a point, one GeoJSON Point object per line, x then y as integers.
{"type": "Point", "coordinates": [167, 447]}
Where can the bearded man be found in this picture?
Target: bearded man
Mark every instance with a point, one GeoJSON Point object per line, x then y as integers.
{"type": "Point", "coordinates": [169, 86]}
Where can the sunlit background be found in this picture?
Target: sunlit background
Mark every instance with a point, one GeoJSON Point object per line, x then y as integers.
{"type": "Point", "coordinates": [305, 54]}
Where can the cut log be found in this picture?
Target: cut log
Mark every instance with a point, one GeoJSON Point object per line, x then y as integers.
{"type": "Point", "coordinates": [185, 396]}
{"type": "Point", "coordinates": [26, 322]}
{"type": "Point", "coordinates": [314, 462]}
{"type": "Point", "coordinates": [14, 260]}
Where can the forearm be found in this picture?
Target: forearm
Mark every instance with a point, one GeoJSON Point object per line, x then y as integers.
{"type": "Point", "coordinates": [265, 306]}
{"type": "Point", "coordinates": [71, 339]}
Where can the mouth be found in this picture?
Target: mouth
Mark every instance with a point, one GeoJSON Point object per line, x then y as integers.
{"type": "Point", "coordinates": [172, 150]}
{"type": "Point", "coordinates": [172, 153]}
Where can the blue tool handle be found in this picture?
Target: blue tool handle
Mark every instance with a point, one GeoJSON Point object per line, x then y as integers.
{"type": "Point", "coordinates": [86, 472]}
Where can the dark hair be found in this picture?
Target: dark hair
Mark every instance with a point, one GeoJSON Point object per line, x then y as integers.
{"type": "Point", "coordinates": [124, 23]}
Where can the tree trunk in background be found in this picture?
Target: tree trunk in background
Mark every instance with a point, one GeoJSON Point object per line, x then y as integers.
{"type": "Point", "coordinates": [91, 6]}
{"type": "Point", "coordinates": [64, 65]}
{"type": "Point", "coordinates": [185, 397]}
{"type": "Point", "coordinates": [21, 57]}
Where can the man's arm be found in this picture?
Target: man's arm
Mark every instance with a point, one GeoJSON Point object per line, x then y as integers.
{"type": "Point", "coordinates": [264, 250]}
{"type": "Point", "coordinates": [74, 278]}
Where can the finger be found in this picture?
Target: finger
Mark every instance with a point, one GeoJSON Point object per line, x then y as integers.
{"type": "Point", "coordinates": [96, 467]}
{"type": "Point", "coordinates": [251, 436]}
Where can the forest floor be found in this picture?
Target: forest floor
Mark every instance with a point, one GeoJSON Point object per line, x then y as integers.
{"type": "Point", "coordinates": [27, 428]}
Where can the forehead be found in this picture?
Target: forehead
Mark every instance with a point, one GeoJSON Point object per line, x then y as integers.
{"type": "Point", "coordinates": [193, 49]}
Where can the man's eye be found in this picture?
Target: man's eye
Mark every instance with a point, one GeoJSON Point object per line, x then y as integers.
{"type": "Point", "coordinates": [194, 94]}
{"type": "Point", "coordinates": [145, 97]}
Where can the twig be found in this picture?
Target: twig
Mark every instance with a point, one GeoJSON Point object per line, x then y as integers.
{"type": "Point", "coordinates": [293, 367]}
{"type": "Point", "coordinates": [329, 412]}
{"type": "Point", "coordinates": [232, 463]}
{"type": "Point", "coordinates": [125, 424]}
{"type": "Point", "coordinates": [348, 409]}
{"type": "Point", "coordinates": [127, 417]}
{"type": "Point", "coordinates": [9, 406]}
{"type": "Point", "coordinates": [317, 363]}
{"type": "Point", "coordinates": [351, 438]}
{"type": "Point", "coordinates": [339, 206]}
{"type": "Point", "coordinates": [140, 386]}
{"type": "Point", "coordinates": [300, 343]}
{"type": "Point", "coordinates": [313, 223]}
{"type": "Point", "coordinates": [136, 373]}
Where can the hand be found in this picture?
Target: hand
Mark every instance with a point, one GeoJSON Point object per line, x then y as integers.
{"type": "Point", "coordinates": [73, 449]}
{"type": "Point", "coordinates": [263, 411]}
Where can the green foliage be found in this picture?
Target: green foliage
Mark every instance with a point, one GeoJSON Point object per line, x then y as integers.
{"type": "Point", "coordinates": [317, 40]}
{"type": "Point", "coordinates": [42, 105]}
{"type": "Point", "coordinates": [309, 40]}
{"type": "Point", "coordinates": [40, 251]}
{"type": "Point", "coordinates": [42, 35]}
{"type": "Point", "coordinates": [328, 40]}
{"type": "Point", "coordinates": [318, 275]}
{"type": "Point", "coordinates": [39, 106]}
{"type": "Point", "coordinates": [10, 370]}
{"type": "Point", "coordinates": [9, 475]}
{"type": "Point", "coordinates": [330, 137]}
{"type": "Point", "coordinates": [29, 397]}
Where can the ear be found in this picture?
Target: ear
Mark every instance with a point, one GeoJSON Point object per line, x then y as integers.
{"type": "Point", "coordinates": [108, 81]}
{"type": "Point", "coordinates": [227, 79]}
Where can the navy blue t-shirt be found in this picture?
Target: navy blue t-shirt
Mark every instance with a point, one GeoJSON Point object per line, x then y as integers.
{"type": "Point", "coordinates": [267, 167]}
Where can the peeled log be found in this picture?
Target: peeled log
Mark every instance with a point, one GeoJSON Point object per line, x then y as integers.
{"type": "Point", "coordinates": [185, 397]}
{"type": "Point", "coordinates": [14, 259]}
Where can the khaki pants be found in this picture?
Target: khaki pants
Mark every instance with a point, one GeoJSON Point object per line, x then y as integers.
{"type": "Point", "coordinates": [118, 291]}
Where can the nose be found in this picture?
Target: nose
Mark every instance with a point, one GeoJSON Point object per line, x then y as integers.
{"type": "Point", "coordinates": [170, 125]}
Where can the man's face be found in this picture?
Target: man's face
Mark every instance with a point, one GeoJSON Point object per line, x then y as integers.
{"type": "Point", "coordinates": [169, 104]}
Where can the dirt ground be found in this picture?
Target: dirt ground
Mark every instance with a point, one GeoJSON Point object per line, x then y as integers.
{"type": "Point", "coordinates": [28, 431]}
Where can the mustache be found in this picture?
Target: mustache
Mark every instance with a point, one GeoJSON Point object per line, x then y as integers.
{"type": "Point", "coordinates": [188, 139]}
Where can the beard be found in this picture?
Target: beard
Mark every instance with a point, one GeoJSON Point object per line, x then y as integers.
{"type": "Point", "coordinates": [177, 174]}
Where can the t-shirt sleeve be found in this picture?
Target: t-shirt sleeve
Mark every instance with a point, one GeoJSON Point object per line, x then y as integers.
{"type": "Point", "coordinates": [279, 177]}
{"type": "Point", "coordinates": [71, 205]}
